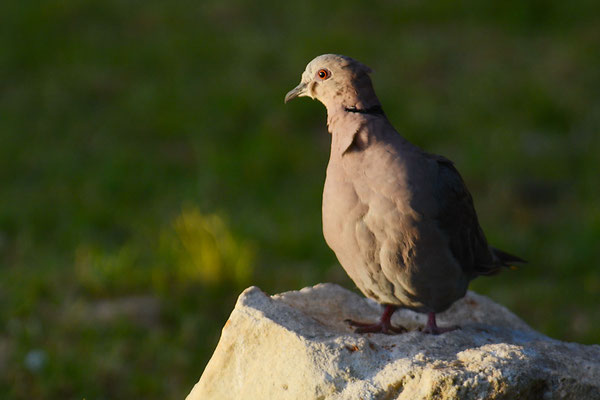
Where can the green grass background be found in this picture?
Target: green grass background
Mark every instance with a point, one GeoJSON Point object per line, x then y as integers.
{"type": "Point", "coordinates": [149, 170]}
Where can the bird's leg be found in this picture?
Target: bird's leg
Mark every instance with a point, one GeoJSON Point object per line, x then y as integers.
{"type": "Point", "coordinates": [432, 327]}
{"type": "Point", "coordinates": [383, 326]}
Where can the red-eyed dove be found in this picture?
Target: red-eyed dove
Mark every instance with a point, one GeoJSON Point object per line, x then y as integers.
{"type": "Point", "coordinates": [400, 221]}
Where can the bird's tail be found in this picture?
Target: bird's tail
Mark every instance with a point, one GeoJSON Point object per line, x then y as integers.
{"type": "Point", "coordinates": [506, 259]}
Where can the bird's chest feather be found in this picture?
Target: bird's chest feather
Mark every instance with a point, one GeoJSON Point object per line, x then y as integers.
{"type": "Point", "coordinates": [363, 204]}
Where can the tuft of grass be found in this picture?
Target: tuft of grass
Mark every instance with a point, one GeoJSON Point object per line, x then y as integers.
{"type": "Point", "coordinates": [204, 250]}
{"type": "Point", "coordinates": [193, 250]}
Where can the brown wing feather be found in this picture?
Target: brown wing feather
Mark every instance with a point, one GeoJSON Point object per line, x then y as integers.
{"type": "Point", "coordinates": [458, 219]}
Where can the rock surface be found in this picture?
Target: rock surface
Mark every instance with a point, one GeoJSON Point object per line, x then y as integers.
{"type": "Point", "coordinates": [295, 345]}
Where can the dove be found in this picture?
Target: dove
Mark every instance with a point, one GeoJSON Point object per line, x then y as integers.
{"type": "Point", "coordinates": [400, 221]}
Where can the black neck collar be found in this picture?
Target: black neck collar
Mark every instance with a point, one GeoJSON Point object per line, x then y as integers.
{"type": "Point", "coordinates": [375, 110]}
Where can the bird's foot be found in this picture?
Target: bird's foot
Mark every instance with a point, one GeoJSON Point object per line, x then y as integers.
{"type": "Point", "coordinates": [432, 328]}
{"type": "Point", "coordinates": [378, 327]}
{"type": "Point", "coordinates": [383, 326]}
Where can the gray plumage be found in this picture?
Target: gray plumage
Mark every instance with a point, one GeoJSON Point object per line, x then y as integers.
{"type": "Point", "coordinates": [400, 220]}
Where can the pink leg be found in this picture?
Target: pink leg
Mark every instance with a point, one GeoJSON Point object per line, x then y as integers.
{"type": "Point", "coordinates": [432, 327]}
{"type": "Point", "coordinates": [383, 326]}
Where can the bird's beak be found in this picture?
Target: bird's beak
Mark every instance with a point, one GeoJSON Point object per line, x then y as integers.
{"type": "Point", "coordinates": [299, 90]}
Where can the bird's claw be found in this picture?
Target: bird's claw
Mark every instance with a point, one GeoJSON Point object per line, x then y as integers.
{"type": "Point", "coordinates": [378, 327]}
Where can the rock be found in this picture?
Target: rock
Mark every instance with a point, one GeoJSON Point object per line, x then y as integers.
{"type": "Point", "coordinates": [295, 345]}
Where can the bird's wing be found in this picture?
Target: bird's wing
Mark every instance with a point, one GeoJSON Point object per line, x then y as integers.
{"type": "Point", "coordinates": [457, 218]}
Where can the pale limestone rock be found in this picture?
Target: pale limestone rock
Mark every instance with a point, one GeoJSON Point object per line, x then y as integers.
{"type": "Point", "coordinates": [295, 345]}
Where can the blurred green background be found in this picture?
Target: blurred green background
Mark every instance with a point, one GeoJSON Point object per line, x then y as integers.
{"type": "Point", "coordinates": [149, 170]}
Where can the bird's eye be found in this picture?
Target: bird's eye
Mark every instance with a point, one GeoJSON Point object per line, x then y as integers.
{"type": "Point", "coordinates": [323, 74]}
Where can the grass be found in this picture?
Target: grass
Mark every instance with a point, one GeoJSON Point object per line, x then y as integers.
{"type": "Point", "coordinates": [150, 171]}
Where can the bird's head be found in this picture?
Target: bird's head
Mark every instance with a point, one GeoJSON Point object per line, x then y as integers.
{"type": "Point", "coordinates": [335, 81]}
